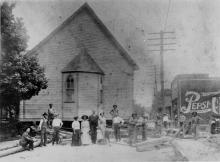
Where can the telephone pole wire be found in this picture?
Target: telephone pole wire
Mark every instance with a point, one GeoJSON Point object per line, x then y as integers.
{"type": "Point", "coordinates": [162, 48]}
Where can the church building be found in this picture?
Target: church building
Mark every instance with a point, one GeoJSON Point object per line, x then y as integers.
{"type": "Point", "coordinates": [87, 69]}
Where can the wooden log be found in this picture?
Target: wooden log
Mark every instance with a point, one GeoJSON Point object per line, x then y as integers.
{"type": "Point", "coordinates": [62, 135]}
{"type": "Point", "coordinates": [16, 149]}
{"type": "Point", "coordinates": [66, 133]}
{"type": "Point", "coordinates": [9, 145]}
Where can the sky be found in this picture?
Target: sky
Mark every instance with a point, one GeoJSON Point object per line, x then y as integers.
{"type": "Point", "coordinates": [195, 24]}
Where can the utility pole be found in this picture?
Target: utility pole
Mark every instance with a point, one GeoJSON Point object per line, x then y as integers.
{"type": "Point", "coordinates": [164, 36]}
{"type": "Point", "coordinates": [155, 80]}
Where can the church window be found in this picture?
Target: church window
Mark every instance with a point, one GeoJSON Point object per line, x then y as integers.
{"type": "Point", "coordinates": [70, 89]}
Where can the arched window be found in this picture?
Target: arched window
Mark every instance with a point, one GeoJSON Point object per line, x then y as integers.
{"type": "Point", "coordinates": [70, 82]}
{"type": "Point", "coordinates": [70, 89]}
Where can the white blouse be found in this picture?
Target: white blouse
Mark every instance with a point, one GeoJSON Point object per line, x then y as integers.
{"type": "Point", "coordinates": [75, 125]}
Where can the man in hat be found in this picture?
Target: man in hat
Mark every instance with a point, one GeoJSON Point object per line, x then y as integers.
{"type": "Point", "coordinates": [43, 128]}
{"type": "Point", "coordinates": [51, 113]}
{"type": "Point", "coordinates": [114, 112]}
{"type": "Point", "coordinates": [56, 124]}
{"type": "Point", "coordinates": [93, 123]}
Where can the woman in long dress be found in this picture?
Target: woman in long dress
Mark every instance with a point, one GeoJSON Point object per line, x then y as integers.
{"type": "Point", "coordinates": [102, 125]}
{"type": "Point", "coordinates": [85, 138]}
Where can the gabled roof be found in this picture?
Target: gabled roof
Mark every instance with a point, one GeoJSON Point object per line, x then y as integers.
{"type": "Point", "coordinates": [86, 7]}
{"type": "Point", "coordinates": [83, 62]}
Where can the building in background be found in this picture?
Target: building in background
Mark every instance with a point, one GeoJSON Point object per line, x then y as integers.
{"type": "Point", "coordinates": [196, 93]}
{"type": "Point", "coordinates": [87, 70]}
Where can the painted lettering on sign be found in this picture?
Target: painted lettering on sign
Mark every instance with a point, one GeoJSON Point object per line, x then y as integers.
{"type": "Point", "coordinates": [194, 102]}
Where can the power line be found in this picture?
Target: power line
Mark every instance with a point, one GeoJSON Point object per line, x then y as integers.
{"type": "Point", "coordinates": [161, 44]}
{"type": "Point", "coordinates": [168, 10]}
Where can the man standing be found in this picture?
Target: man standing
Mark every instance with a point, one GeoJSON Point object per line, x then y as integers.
{"type": "Point", "coordinates": [76, 132]}
{"type": "Point", "coordinates": [132, 128]}
{"type": "Point", "coordinates": [159, 124]}
{"type": "Point", "coordinates": [114, 112]}
{"type": "Point", "coordinates": [144, 127]}
{"type": "Point", "coordinates": [195, 121]}
{"type": "Point", "coordinates": [93, 123]}
{"type": "Point", "coordinates": [51, 113]}
{"type": "Point", "coordinates": [117, 122]}
{"type": "Point", "coordinates": [56, 124]}
{"type": "Point", "coordinates": [26, 140]}
{"type": "Point", "coordinates": [43, 127]}
{"type": "Point", "coordinates": [182, 119]}
{"type": "Point", "coordinates": [165, 120]}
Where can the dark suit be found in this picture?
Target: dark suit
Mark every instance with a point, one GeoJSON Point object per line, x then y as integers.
{"type": "Point", "coordinates": [93, 123]}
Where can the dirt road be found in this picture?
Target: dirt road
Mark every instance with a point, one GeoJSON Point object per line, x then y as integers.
{"type": "Point", "coordinates": [92, 153]}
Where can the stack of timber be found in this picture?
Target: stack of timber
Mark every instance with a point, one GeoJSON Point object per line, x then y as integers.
{"type": "Point", "coordinates": [14, 146]}
{"type": "Point", "coordinates": [12, 150]}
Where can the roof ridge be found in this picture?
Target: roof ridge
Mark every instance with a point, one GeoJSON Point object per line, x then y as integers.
{"type": "Point", "coordinates": [106, 31]}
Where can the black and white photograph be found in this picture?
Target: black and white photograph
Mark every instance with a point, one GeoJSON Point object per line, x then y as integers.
{"type": "Point", "coordinates": [110, 80]}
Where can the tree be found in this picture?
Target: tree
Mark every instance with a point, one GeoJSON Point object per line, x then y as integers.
{"type": "Point", "coordinates": [21, 75]}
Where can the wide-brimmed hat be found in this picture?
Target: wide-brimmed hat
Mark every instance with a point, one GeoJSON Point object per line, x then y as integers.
{"type": "Point", "coordinates": [115, 106]}
{"type": "Point", "coordinates": [84, 117]}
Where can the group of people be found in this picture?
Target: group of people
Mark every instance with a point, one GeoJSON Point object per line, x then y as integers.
{"type": "Point", "coordinates": [87, 129]}
{"type": "Point", "coordinates": [135, 126]}
{"type": "Point", "coordinates": [48, 120]}
{"type": "Point", "coordinates": [189, 126]}
{"type": "Point", "coordinates": [93, 128]}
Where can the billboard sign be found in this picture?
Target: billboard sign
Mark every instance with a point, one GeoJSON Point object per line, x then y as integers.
{"type": "Point", "coordinates": [200, 96]}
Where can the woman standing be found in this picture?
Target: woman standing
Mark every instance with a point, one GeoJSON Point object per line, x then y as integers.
{"type": "Point", "coordinates": [102, 124]}
{"type": "Point", "coordinates": [86, 139]}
